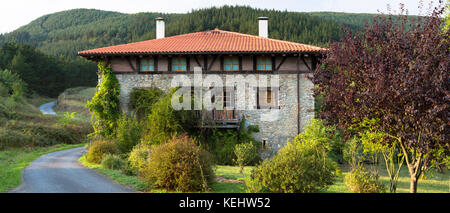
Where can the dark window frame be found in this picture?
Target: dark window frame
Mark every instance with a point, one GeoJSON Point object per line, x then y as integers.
{"type": "Point", "coordinates": [275, 97]}
{"type": "Point", "coordinates": [178, 58]}
{"type": "Point", "coordinates": [264, 60]}
{"type": "Point", "coordinates": [239, 63]}
{"type": "Point", "coordinates": [148, 59]}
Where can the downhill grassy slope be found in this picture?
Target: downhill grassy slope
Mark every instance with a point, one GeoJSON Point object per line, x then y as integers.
{"type": "Point", "coordinates": [75, 100]}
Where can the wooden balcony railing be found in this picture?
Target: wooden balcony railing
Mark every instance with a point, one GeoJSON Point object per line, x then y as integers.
{"type": "Point", "coordinates": [219, 118]}
{"type": "Point", "coordinates": [225, 115]}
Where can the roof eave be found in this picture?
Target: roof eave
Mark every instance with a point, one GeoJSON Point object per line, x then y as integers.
{"type": "Point", "coordinates": [318, 52]}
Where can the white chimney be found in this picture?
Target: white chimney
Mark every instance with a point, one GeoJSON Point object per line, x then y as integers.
{"type": "Point", "coordinates": [160, 28]}
{"type": "Point", "coordinates": [263, 27]}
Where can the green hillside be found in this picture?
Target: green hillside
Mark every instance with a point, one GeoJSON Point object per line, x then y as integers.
{"type": "Point", "coordinates": [44, 52]}
{"type": "Point", "coordinates": [67, 32]}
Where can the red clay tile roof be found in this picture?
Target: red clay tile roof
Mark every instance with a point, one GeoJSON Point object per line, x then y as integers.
{"type": "Point", "coordinates": [212, 41]}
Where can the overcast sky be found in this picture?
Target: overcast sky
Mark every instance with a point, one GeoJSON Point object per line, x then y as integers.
{"type": "Point", "coordinates": [16, 13]}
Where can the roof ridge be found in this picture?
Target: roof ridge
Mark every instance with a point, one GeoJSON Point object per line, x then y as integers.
{"type": "Point", "coordinates": [273, 39]}
{"type": "Point", "coordinates": [222, 40]}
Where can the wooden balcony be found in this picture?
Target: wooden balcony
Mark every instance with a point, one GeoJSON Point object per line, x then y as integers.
{"type": "Point", "coordinates": [225, 115]}
{"type": "Point", "coordinates": [221, 119]}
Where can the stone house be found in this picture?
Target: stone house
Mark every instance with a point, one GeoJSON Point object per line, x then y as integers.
{"type": "Point", "coordinates": [281, 112]}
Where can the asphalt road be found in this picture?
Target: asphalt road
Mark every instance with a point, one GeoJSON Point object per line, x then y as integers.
{"type": "Point", "coordinates": [60, 172]}
{"type": "Point", "coordinates": [48, 108]}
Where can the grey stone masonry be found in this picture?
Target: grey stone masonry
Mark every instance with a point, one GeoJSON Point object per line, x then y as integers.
{"type": "Point", "coordinates": [295, 100]}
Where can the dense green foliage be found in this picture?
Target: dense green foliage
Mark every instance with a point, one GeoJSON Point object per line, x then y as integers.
{"type": "Point", "coordinates": [222, 143]}
{"type": "Point", "coordinates": [163, 121]}
{"type": "Point", "coordinates": [67, 32]}
{"type": "Point", "coordinates": [394, 72]}
{"type": "Point", "coordinates": [137, 158]}
{"type": "Point", "coordinates": [105, 105]}
{"type": "Point", "coordinates": [61, 35]}
{"type": "Point", "coordinates": [111, 161]}
{"type": "Point", "coordinates": [360, 180]}
{"type": "Point", "coordinates": [44, 74]}
{"type": "Point", "coordinates": [353, 152]}
{"type": "Point", "coordinates": [15, 133]}
{"type": "Point", "coordinates": [142, 100]}
{"type": "Point", "coordinates": [245, 154]}
{"type": "Point", "coordinates": [11, 84]}
{"type": "Point", "coordinates": [22, 124]}
{"type": "Point", "coordinates": [180, 165]}
{"type": "Point", "coordinates": [129, 132]}
{"type": "Point", "coordinates": [302, 165]}
{"type": "Point", "coordinates": [98, 149]}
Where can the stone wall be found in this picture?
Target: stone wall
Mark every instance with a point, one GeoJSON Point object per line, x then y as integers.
{"type": "Point", "coordinates": [295, 96]}
{"type": "Point", "coordinates": [276, 126]}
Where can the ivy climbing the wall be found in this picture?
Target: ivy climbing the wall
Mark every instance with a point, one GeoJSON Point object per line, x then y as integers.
{"type": "Point", "coordinates": [105, 105]}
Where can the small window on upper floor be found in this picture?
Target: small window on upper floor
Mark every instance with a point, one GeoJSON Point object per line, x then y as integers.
{"type": "Point", "coordinates": [267, 98]}
{"type": "Point", "coordinates": [147, 64]}
{"type": "Point", "coordinates": [264, 63]}
{"type": "Point", "coordinates": [231, 63]}
{"type": "Point", "coordinates": [179, 64]}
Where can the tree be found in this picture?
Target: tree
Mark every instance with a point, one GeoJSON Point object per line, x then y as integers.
{"type": "Point", "coordinates": [396, 72]}
{"type": "Point", "coordinates": [372, 141]}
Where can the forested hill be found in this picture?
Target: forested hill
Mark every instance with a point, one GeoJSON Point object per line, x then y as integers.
{"type": "Point", "coordinates": [67, 32]}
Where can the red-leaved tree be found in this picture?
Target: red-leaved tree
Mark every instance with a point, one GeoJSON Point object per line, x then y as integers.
{"type": "Point", "coordinates": [395, 71]}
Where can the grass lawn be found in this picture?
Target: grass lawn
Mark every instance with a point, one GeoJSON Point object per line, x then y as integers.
{"type": "Point", "coordinates": [13, 161]}
{"type": "Point", "coordinates": [232, 172]}
{"type": "Point", "coordinates": [116, 175]}
{"type": "Point", "coordinates": [229, 172]}
{"type": "Point", "coordinates": [438, 183]}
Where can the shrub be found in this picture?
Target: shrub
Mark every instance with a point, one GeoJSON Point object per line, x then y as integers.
{"type": "Point", "coordinates": [138, 158]}
{"type": "Point", "coordinates": [16, 133]}
{"type": "Point", "coordinates": [12, 83]}
{"type": "Point", "coordinates": [4, 91]}
{"type": "Point", "coordinates": [360, 180]}
{"type": "Point", "coordinates": [129, 132]}
{"type": "Point", "coordinates": [162, 122]}
{"type": "Point", "coordinates": [67, 118]}
{"type": "Point", "coordinates": [142, 100]}
{"type": "Point", "coordinates": [353, 152]}
{"type": "Point", "coordinates": [222, 144]}
{"type": "Point", "coordinates": [110, 161]}
{"type": "Point", "coordinates": [99, 148]}
{"type": "Point", "coordinates": [179, 165]}
{"type": "Point", "coordinates": [302, 165]}
{"type": "Point", "coordinates": [245, 154]}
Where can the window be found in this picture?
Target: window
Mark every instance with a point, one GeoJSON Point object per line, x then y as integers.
{"type": "Point", "coordinates": [179, 64]}
{"type": "Point", "coordinates": [264, 63]}
{"type": "Point", "coordinates": [267, 98]}
{"type": "Point", "coordinates": [225, 97]}
{"type": "Point", "coordinates": [147, 64]}
{"type": "Point", "coordinates": [231, 63]}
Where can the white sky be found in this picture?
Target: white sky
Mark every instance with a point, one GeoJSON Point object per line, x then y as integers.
{"type": "Point", "coordinates": [16, 13]}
